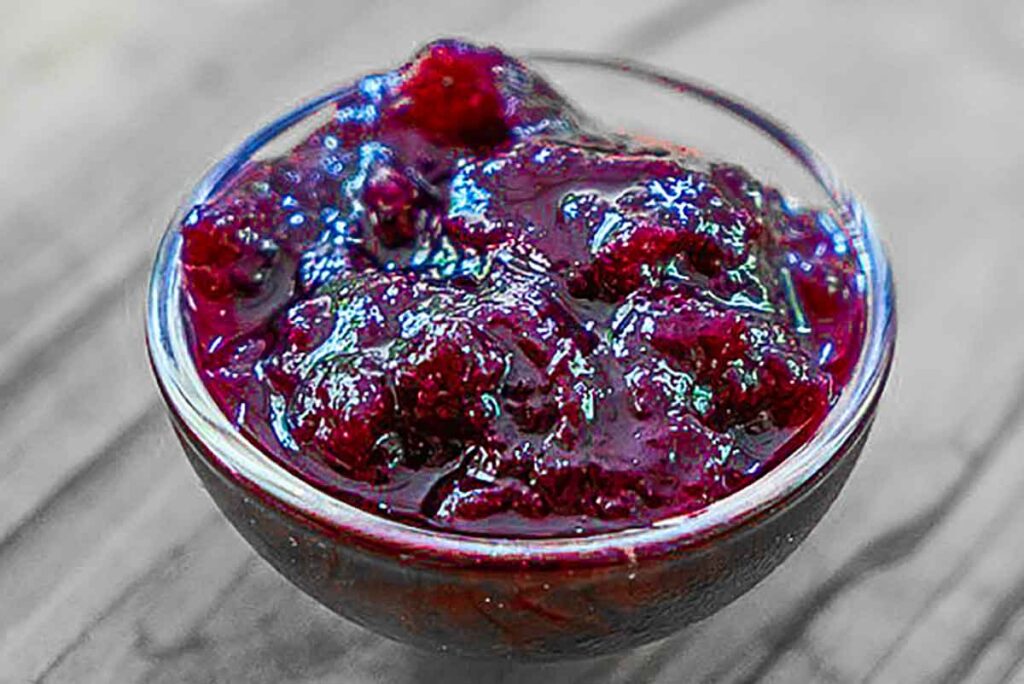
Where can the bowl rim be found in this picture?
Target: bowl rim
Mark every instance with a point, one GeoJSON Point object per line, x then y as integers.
{"type": "Point", "coordinates": [250, 467]}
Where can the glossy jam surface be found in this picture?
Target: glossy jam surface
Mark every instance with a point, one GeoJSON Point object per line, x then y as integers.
{"type": "Point", "coordinates": [460, 304]}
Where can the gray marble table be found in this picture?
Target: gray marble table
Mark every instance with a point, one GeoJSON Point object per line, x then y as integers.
{"type": "Point", "coordinates": [114, 565]}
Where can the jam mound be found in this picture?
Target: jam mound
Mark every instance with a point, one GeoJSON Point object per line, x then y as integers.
{"type": "Point", "coordinates": [461, 305]}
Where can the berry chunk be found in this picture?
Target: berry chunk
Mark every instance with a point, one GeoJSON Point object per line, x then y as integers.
{"type": "Point", "coordinates": [693, 463]}
{"type": "Point", "coordinates": [610, 222]}
{"type": "Point", "coordinates": [695, 357]}
{"type": "Point", "coordinates": [341, 411]}
{"type": "Point", "coordinates": [625, 262]}
{"type": "Point", "coordinates": [444, 385]}
{"type": "Point", "coordinates": [306, 326]}
{"type": "Point", "coordinates": [229, 250]}
{"type": "Point", "coordinates": [450, 94]}
{"type": "Point", "coordinates": [393, 202]}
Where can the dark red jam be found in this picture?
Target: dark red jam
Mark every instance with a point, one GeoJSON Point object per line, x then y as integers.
{"type": "Point", "coordinates": [461, 305]}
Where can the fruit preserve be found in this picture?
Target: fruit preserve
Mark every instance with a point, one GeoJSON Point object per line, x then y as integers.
{"type": "Point", "coordinates": [461, 304]}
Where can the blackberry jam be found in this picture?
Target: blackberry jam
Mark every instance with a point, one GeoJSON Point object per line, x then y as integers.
{"type": "Point", "coordinates": [463, 305]}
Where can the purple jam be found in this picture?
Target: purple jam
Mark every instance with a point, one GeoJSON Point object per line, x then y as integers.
{"type": "Point", "coordinates": [461, 305]}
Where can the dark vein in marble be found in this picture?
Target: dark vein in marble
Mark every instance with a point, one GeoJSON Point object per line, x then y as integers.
{"type": "Point", "coordinates": [660, 659]}
{"type": "Point", "coordinates": [1008, 608]}
{"type": "Point", "coordinates": [170, 556]}
{"type": "Point", "coordinates": [675, 21]}
{"type": "Point", "coordinates": [967, 560]}
{"type": "Point", "coordinates": [891, 547]}
{"type": "Point", "coordinates": [1012, 672]}
{"type": "Point", "coordinates": [98, 465]}
{"type": "Point", "coordinates": [193, 639]}
{"type": "Point", "coordinates": [68, 334]}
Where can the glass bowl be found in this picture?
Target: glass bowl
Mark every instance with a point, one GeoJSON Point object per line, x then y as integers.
{"type": "Point", "coordinates": [539, 598]}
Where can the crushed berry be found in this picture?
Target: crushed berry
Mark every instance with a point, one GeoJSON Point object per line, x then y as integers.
{"type": "Point", "coordinates": [456, 305]}
{"type": "Point", "coordinates": [393, 201]}
{"type": "Point", "coordinates": [450, 93]}
{"type": "Point", "coordinates": [340, 410]}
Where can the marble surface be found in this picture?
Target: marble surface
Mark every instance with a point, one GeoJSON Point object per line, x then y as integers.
{"type": "Point", "coordinates": [115, 566]}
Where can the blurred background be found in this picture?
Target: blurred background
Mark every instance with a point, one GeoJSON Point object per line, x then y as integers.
{"type": "Point", "coordinates": [114, 565]}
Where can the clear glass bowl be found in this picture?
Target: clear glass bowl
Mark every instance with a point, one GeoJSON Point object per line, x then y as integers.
{"type": "Point", "coordinates": [539, 598]}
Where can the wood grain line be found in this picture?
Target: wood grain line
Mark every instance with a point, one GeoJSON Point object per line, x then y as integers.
{"type": "Point", "coordinates": [95, 466]}
{"type": "Point", "coordinates": [887, 549]}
